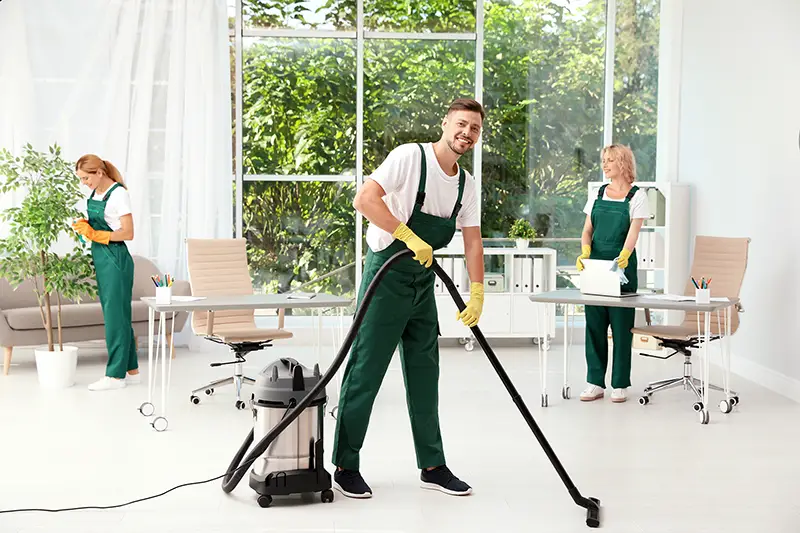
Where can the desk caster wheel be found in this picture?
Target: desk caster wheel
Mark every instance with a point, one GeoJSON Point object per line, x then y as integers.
{"type": "Point", "coordinates": [734, 401]}
{"type": "Point", "coordinates": [240, 404]}
{"type": "Point", "coordinates": [159, 424]}
{"type": "Point", "coordinates": [194, 399]}
{"type": "Point", "coordinates": [544, 400]}
{"type": "Point", "coordinates": [469, 346]}
{"type": "Point", "coordinates": [644, 400]}
{"type": "Point", "coordinates": [147, 409]}
{"type": "Point", "coordinates": [209, 392]}
{"type": "Point", "coordinates": [726, 406]}
{"type": "Point", "coordinates": [264, 501]}
{"type": "Point", "coordinates": [334, 411]}
{"type": "Point", "coordinates": [327, 496]}
{"type": "Point", "coordinates": [703, 416]}
{"type": "Point", "coordinates": [698, 406]}
{"type": "Point", "coordinates": [565, 393]}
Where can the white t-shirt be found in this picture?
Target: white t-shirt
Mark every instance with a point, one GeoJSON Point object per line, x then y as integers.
{"type": "Point", "coordinates": [118, 205]}
{"type": "Point", "coordinates": [639, 206]}
{"type": "Point", "coordinates": [399, 177]}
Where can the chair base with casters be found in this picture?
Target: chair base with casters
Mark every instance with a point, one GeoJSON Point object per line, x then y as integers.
{"type": "Point", "coordinates": [687, 380]}
{"type": "Point", "coordinates": [240, 350]}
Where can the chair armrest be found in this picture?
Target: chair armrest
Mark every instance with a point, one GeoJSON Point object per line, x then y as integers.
{"type": "Point", "coordinates": [5, 330]}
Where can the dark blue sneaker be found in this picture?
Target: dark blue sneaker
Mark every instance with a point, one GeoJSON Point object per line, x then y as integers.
{"type": "Point", "coordinates": [442, 479]}
{"type": "Point", "coordinates": [351, 484]}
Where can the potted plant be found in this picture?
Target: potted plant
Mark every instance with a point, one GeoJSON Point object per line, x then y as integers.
{"type": "Point", "coordinates": [522, 232]}
{"type": "Point", "coordinates": [50, 205]}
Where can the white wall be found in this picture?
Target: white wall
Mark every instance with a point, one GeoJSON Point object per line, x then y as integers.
{"type": "Point", "coordinates": [738, 148]}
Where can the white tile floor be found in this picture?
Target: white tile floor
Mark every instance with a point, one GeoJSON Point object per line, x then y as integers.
{"type": "Point", "coordinates": [655, 468]}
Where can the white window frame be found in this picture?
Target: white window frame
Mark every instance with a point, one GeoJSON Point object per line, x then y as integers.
{"type": "Point", "coordinates": [361, 35]}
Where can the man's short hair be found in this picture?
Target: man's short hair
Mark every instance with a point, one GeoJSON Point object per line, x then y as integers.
{"type": "Point", "coordinates": [467, 104]}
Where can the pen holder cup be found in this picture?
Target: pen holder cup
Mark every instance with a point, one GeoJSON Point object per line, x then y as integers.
{"type": "Point", "coordinates": [702, 296]}
{"type": "Point", "coordinates": [163, 295]}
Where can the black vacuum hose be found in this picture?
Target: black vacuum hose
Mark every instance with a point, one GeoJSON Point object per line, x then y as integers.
{"type": "Point", "coordinates": [236, 469]}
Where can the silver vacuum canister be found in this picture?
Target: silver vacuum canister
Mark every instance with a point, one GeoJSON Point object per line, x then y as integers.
{"type": "Point", "coordinates": [278, 388]}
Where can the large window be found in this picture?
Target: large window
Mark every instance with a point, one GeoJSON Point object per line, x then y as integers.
{"type": "Point", "coordinates": [330, 87]}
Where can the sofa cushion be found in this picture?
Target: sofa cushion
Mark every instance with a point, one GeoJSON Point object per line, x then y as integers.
{"type": "Point", "coordinates": [72, 315]}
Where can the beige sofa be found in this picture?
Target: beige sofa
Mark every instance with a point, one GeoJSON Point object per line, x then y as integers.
{"type": "Point", "coordinates": [21, 322]}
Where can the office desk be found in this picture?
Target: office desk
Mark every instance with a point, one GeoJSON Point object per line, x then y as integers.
{"type": "Point", "coordinates": [570, 298]}
{"type": "Point", "coordinates": [194, 304]}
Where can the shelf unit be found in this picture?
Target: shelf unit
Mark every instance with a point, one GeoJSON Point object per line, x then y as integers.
{"type": "Point", "coordinates": [663, 246]}
{"type": "Point", "coordinates": [511, 275]}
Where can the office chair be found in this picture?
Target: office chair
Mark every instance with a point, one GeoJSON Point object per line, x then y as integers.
{"type": "Point", "coordinates": [724, 261]}
{"type": "Point", "coordinates": [218, 267]}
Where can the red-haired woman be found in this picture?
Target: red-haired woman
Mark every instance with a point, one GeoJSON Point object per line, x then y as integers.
{"type": "Point", "coordinates": [109, 225]}
{"type": "Point", "coordinates": [613, 221]}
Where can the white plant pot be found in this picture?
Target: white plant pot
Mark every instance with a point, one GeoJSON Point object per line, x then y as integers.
{"type": "Point", "coordinates": [56, 369]}
{"type": "Point", "coordinates": [522, 243]}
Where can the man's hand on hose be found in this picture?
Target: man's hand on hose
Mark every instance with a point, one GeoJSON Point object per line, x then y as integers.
{"type": "Point", "coordinates": [422, 250]}
{"type": "Point", "coordinates": [472, 313]}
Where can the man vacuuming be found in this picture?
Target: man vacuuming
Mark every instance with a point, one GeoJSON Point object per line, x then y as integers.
{"type": "Point", "coordinates": [415, 200]}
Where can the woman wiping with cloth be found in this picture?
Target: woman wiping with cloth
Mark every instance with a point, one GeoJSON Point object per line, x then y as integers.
{"type": "Point", "coordinates": [613, 222]}
{"type": "Point", "coordinates": [109, 225]}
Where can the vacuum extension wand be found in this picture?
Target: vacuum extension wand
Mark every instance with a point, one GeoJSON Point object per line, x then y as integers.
{"type": "Point", "coordinates": [236, 471]}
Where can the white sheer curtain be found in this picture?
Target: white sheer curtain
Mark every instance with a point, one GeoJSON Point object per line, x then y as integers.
{"type": "Point", "coordinates": [144, 84]}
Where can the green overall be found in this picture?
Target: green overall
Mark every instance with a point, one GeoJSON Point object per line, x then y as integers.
{"type": "Point", "coordinates": [114, 267]}
{"type": "Point", "coordinates": [402, 311]}
{"type": "Point", "coordinates": [611, 221]}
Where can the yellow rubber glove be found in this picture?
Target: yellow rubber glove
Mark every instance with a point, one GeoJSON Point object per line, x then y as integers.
{"type": "Point", "coordinates": [586, 251]}
{"type": "Point", "coordinates": [622, 260]}
{"type": "Point", "coordinates": [470, 315]}
{"type": "Point", "coordinates": [422, 250]}
{"type": "Point", "coordinates": [83, 228]}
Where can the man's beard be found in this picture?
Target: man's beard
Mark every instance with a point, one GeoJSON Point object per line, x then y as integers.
{"type": "Point", "coordinates": [452, 146]}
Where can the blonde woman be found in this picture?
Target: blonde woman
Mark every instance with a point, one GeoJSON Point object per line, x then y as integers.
{"type": "Point", "coordinates": [109, 225]}
{"type": "Point", "coordinates": [613, 221]}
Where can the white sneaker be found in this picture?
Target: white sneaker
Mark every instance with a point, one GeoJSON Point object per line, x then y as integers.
{"type": "Point", "coordinates": [618, 395]}
{"type": "Point", "coordinates": [107, 383]}
{"type": "Point", "coordinates": [591, 393]}
{"type": "Point", "coordinates": [133, 379]}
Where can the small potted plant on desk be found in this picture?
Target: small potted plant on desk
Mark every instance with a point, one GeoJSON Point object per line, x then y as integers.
{"type": "Point", "coordinates": [34, 228]}
{"type": "Point", "coordinates": [522, 232]}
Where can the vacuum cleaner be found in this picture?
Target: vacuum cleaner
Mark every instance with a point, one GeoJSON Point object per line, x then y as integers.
{"type": "Point", "coordinates": [288, 411]}
{"type": "Point", "coordinates": [293, 462]}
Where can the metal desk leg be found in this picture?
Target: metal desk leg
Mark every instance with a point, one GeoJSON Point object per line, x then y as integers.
{"type": "Point", "coordinates": [542, 353]}
{"type": "Point", "coordinates": [147, 409]}
{"type": "Point", "coordinates": [160, 422]}
{"type": "Point", "coordinates": [703, 413]}
{"type": "Point", "coordinates": [731, 397]}
{"type": "Point", "coordinates": [565, 392]}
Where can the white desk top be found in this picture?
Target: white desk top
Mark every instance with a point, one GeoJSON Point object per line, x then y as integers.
{"type": "Point", "coordinates": [645, 301]}
{"type": "Point", "coordinates": [248, 301]}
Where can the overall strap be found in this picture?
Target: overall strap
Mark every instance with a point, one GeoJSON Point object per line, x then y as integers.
{"type": "Point", "coordinates": [422, 177]}
{"type": "Point", "coordinates": [631, 193]}
{"type": "Point", "coordinates": [461, 180]}
{"type": "Point", "coordinates": [105, 198]}
{"type": "Point", "coordinates": [601, 191]}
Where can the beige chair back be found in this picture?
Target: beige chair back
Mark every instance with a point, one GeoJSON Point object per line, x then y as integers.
{"type": "Point", "coordinates": [724, 261]}
{"type": "Point", "coordinates": [219, 267]}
